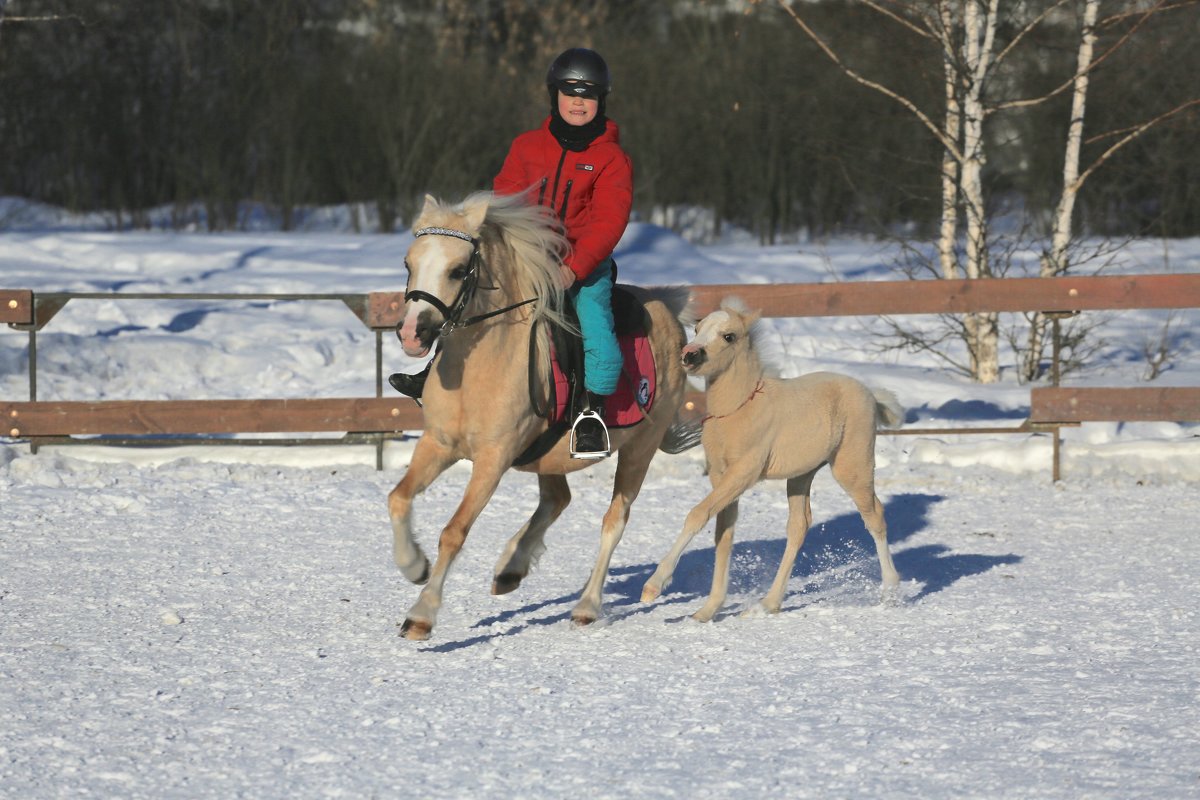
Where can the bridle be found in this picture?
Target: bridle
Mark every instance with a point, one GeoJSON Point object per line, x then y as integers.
{"type": "Point", "coordinates": [453, 313]}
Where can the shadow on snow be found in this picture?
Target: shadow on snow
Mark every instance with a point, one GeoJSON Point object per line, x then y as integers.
{"type": "Point", "coordinates": [837, 552]}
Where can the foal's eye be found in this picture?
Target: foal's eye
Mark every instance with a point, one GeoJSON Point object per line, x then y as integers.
{"type": "Point", "coordinates": [730, 337]}
{"type": "Point", "coordinates": [458, 273]}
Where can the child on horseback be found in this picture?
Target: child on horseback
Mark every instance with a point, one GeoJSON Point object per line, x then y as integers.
{"type": "Point", "coordinates": [574, 164]}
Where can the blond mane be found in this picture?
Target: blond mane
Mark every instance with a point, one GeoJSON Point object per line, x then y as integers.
{"type": "Point", "coordinates": [530, 238]}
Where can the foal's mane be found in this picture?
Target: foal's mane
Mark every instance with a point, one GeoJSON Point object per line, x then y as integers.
{"type": "Point", "coordinates": [527, 237]}
{"type": "Point", "coordinates": [764, 346]}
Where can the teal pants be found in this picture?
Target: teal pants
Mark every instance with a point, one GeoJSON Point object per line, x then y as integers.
{"type": "Point", "coordinates": [601, 353]}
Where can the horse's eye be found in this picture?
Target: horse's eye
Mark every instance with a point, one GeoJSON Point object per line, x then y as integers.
{"type": "Point", "coordinates": [730, 337]}
{"type": "Point", "coordinates": [458, 273]}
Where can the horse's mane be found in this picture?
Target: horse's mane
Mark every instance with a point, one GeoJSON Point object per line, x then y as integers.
{"type": "Point", "coordinates": [762, 341]}
{"type": "Point", "coordinates": [535, 244]}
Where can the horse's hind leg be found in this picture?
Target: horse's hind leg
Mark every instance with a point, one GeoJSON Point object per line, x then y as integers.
{"type": "Point", "coordinates": [799, 520]}
{"type": "Point", "coordinates": [632, 463]}
{"type": "Point", "coordinates": [856, 474]}
{"type": "Point", "coordinates": [429, 460]}
{"type": "Point", "coordinates": [524, 549]}
{"type": "Point", "coordinates": [723, 539]}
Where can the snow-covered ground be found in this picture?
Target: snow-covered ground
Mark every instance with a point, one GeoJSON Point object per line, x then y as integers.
{"type": "Point", "coordinates": [221, 621]}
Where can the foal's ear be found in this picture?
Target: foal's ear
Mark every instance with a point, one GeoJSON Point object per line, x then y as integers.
{"type": "Point", "coordinates": [752, 317]}
{"type": "Point", "coordinates": [475, 214]}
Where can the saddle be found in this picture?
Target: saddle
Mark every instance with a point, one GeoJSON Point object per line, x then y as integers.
{"type": "Point", "coordinates": [634, 395]}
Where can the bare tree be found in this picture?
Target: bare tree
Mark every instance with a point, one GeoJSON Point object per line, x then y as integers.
{"type": "Point", "coordinates": [1055, 259]}
{"type": "Point", "coordinates": [973, 55]}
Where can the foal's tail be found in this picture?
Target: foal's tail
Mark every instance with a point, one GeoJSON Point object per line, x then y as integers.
{"type": "Point", "coordinates": [888, 411]}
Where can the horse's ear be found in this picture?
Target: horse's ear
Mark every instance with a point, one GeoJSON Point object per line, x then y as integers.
{"type": "Point", "coordinates": [752, 317]}
{"type": "Point", "coordinates": [475, 214]}
{"type": "Point", "coordinates": [430, 203]}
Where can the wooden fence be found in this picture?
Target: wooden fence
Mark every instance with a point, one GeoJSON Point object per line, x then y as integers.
{"type": "Point", "coordinates": [379, 418]}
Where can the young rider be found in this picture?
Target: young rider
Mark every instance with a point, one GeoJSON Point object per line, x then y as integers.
{"type": "Point", "coordinates": [574, 164]}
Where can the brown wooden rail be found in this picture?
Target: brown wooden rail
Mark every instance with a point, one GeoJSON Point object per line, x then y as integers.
{"type": "Point", "coordinates": [178, 417]}
{"type": "Point", "coordinates": [868, 298]}
{"type": "Point", "coordinates": [379, 417]}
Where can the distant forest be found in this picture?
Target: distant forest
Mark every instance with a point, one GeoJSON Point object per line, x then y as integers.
{"type": "Point", "coordinates": [124, 107]}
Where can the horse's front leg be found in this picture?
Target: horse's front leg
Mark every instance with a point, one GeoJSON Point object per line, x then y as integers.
{"type": "Point", "coordinates": [523, 550]}
{"type": "Point", "coordinates": [429, 460]}
{"type": "Point", "coordinates": [727, 487]}
{"type": "Point", "coordinates": [485, 477]}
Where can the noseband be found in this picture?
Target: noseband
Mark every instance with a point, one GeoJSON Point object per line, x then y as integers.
{"type": "Point", "coordinates": [453, 313]}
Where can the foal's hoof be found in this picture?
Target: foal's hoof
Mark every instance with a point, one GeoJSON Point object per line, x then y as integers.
{"type": "Point", "coordinates": [415, 630]}
{"type": "Point", "coordinates": [505, 582]}
{"type": "Point", "coordinates": [650, 593]}
{"type": "Point", "coordinates": [581, 619]}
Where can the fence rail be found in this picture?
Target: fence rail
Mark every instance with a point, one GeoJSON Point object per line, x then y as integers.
{"type": "Point", "coordinates": [376, 419]}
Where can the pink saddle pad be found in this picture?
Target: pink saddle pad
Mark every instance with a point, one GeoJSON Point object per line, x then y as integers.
{"type": "Point", "coordinates": [634, 396]}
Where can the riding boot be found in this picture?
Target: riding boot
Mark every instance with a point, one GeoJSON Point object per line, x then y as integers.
{"type": "Point", "coordinates": [412, 385]}
{"type": "Point", "coordinates": [589, 436]}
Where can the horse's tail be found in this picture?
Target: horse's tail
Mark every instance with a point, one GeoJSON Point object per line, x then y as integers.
{"type": "Point", "coordinates": [677, 299]}
{"type": "Point", "coordinates": [888, 411]}
{"type": "Point", "coordinates": [681, 436]}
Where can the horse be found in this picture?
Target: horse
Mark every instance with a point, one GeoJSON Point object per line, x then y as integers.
{"type": "Point", "coordinates": [483, 277]}
{"type": "Point", "coordinates": [760, 426]}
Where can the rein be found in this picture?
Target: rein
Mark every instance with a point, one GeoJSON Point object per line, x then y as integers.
{"type": "Point", "coordinates": [757, 390]}
{"type": "Point", "coordinates": [453, 313]}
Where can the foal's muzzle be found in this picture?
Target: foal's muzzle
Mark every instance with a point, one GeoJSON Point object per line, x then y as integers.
{"type": "Point", "coordinates": [691, 358]}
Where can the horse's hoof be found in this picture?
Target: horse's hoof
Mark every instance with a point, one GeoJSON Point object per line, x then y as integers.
{"type": "Point", "coordinates": [650, 593]}
{"type": "Point", "coordinates": [702, 616]}
{"type": "Point", "coordinates": [505, 582]}
{"type": "Point", "coordinates": [415, 630]}
{"type": "Point", "coordinates": [582, 619]}
{"type": "Point", "coordinates": [422, 578]}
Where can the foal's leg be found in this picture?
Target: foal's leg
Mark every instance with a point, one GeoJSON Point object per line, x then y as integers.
{"type": "Point", "coordinates": [855, 472]}
{"type": "Point", "coordinates": [429, 460]}
{"type": "Point", "coordinates": [728, 487]}
{"type": "Point", "coordinates": [524, 548]}
{"type": "Point", "coordinates": [726, 519]}
{"type": "Point", "coordinates": [799, 520]}
{"type": "Point", "coordinates": [633, 461]}
{"type": "Point", "coordinates": [485, 477]}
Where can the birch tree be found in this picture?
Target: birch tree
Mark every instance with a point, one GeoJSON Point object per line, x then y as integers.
{"type": "Point", "coordinates": [1055, 258]}
{"type": "Point", "coordinates": [965, 33]}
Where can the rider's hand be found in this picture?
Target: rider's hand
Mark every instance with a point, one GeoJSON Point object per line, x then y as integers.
{"type": "Point", "coordinates": [565, 276]}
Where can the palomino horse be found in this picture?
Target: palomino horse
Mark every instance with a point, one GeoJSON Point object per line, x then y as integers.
{"type": "Point", "coordinates": [759, 427]}
{"type": "Point", "coordinates": [484, 274]}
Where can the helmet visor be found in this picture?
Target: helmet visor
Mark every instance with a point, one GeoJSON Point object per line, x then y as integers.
{"type": "Point", "coordinates": [574, 88]}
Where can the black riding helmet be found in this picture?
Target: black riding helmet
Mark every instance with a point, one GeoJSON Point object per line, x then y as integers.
{"type": "Point", "coordinates": [585, 68]}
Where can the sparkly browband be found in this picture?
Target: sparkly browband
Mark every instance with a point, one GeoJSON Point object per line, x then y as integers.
{"type": "Point", "coordinates": [444, 232]}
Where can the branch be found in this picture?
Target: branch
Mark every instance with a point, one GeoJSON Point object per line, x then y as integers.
{"type": "Point", "coordinates": [1130, 135]}
{"type": "Point", "coordinates": [1144, 16]}
{"type": "Point", "coordinates": [1028, 29]}
{"type": "Point", "coordinates": [950, 145]}
{"type": "Point", "coordinates": [895, 17]}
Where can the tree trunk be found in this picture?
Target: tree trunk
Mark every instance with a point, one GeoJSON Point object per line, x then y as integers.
{"type": "Point", "coordinates": [983, 329]}
{"type": "Point", "coordinates": [948, 235]}
{"type": "Point", "coordinates": [1055, 260]}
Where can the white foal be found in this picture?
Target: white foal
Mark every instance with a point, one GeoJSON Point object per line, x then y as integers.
{"type": "Point", "coordinates": [759, 427]}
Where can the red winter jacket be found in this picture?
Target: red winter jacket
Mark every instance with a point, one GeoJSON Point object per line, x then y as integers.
{"type": "Point", "coordinates": [590, 191]}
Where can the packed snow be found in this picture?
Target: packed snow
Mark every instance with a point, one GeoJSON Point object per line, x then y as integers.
{"type": "Point", "coordinates": [203, 621]}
